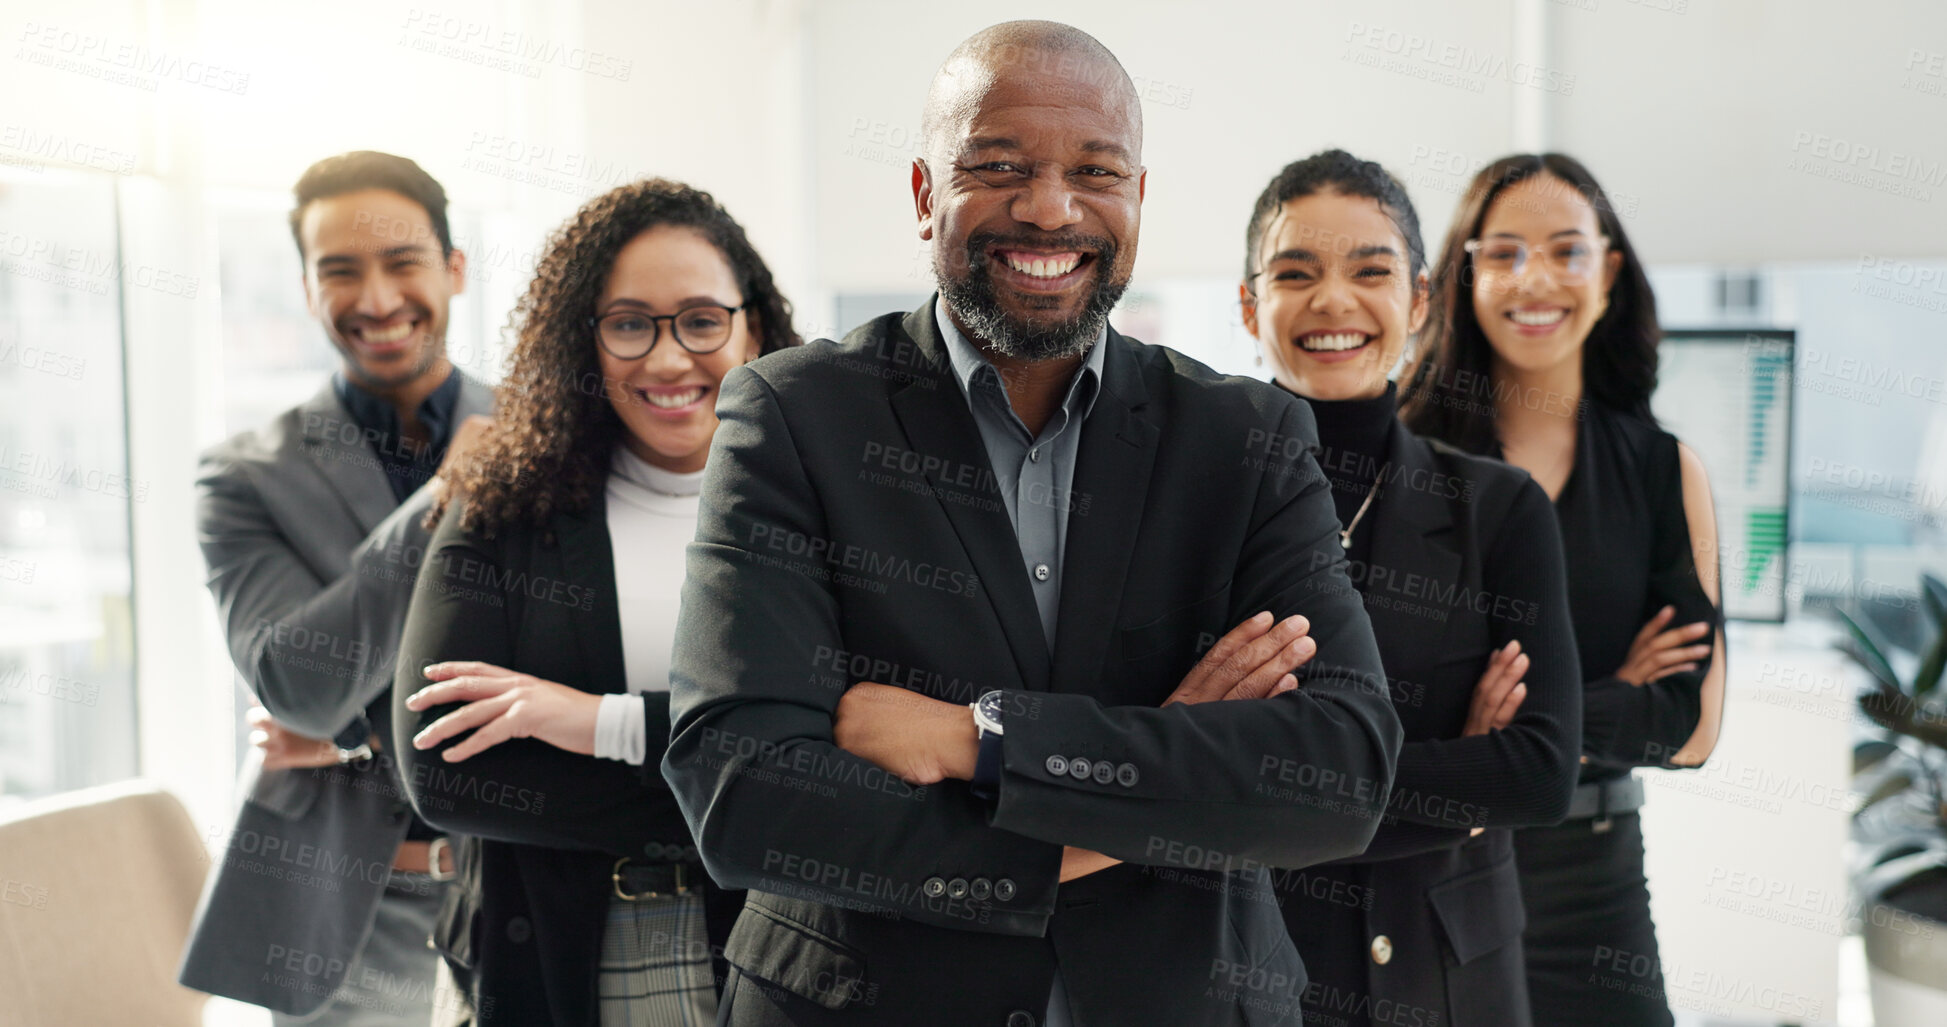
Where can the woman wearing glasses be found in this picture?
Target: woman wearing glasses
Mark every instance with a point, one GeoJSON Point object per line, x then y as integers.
{"type": "Point", "coordinates": [532, 698]}
{"type": "Point", "coordinates": [1460, 566]}
{"type": "Point", "coordinates": [1541, 350]}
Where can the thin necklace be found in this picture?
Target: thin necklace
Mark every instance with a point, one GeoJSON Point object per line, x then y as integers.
{"type": "Point", "coordinates": [1345, 537]}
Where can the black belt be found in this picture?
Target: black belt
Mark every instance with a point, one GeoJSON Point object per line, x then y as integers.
{"type": "Point", "coordinates": [641, 881]}
{"type": "Point", "coordinates": [1601, 800]}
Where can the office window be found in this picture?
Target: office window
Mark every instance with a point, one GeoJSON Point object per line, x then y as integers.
{"type": "Point", "coordinates": [67, 701]}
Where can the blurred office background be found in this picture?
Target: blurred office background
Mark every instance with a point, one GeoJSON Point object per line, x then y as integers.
{"type": "Point", "coordinates": [1780, 165]}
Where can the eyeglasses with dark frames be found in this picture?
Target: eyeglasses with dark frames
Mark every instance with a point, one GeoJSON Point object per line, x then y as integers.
{"type": "Point", "coordinates": [631, 334]}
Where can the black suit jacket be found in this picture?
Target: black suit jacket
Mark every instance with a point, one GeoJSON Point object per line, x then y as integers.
{"type": "Point", "coordinates": [1465, 556]}
{"type": "Point", "coordinates": [851, 530]}
{"type": "Point", "coordinates": [525, 922]}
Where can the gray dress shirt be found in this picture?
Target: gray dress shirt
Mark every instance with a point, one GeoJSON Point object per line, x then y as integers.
{"type": "Point", "coordinates": [1036, 475]}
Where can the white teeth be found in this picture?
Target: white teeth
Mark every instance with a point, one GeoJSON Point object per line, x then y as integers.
{"type": "Point", "coordinates": [386, 336]}
{"type": "Point", "coordinates": [1333, 343]}
{"type": "Point", "coordinates": [1044, 268]}
{"type": "Point", "coordinates": [1537, 318]}
{"type": "Point", "coordinates": [673, 400]}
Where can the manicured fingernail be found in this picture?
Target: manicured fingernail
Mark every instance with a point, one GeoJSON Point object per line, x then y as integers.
{"type": "Point", "coordinates": [1263, 617]}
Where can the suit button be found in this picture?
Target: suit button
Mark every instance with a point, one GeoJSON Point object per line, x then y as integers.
{"type": "Point", "coordinates": [1104, 772]}
{"type": "Point", "coordinates": [956, 888]}
{"type": "Point", "coordinates": [1057, 765]}
{"type": "Point", "coordinates": [980, 890]}
{"type": "Point", "coordinates": [1127, 775]}
{"type": "Point", "coordinates": [1079, 768]}
{"type": "Point", "coordinates": [1020, 1018]}
{"type": "Point", "coordinates": [934, 887]}
{"type": "Point", "coordinates": [1041, 572]}
{"type": "Point", "coordinates": [1382, 950]}
{"type": "Point", "coordinates": [1004, 889]}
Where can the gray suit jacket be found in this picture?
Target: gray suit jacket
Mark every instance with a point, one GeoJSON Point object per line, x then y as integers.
{"type": "Point", "coordinates": [312, 563]}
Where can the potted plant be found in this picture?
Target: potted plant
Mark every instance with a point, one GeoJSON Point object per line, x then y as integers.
{"type": "Point", "coordinates": [1900, 879]}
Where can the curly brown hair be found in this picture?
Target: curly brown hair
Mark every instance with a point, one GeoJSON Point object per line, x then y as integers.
{"type": "Point", "coordinates": [554, 431]}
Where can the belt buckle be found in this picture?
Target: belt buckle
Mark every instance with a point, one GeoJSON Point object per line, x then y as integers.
{"type": "Point", "coordinates": [434, 849]}
{"type": "Point", "coordinates": [682, 874]}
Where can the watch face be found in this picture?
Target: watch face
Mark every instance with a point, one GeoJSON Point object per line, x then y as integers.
{"type": "Point", "coordinates": [990, 706]}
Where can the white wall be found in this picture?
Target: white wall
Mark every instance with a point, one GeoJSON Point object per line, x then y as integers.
{"type": "Point", "coordinates": [1234, 91]}
{"type": "Point", "coordinates": [1713, 116]}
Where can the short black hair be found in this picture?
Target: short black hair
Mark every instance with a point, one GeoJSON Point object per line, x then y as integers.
{"type": "Point", "coordinates": [370, 169]}
{"type": "Point", "coordinates": [1339, 172]}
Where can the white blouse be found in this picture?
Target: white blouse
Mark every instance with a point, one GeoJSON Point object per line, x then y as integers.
{"type": "Point", "coordinates": [651, 519]}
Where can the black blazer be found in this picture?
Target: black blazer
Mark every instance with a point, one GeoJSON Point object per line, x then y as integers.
{"type": "Point", "coordinates": [1465, 556]}
{"type": "Point", "coordinates": [851, 530]}
{"type": "Point", "coordinates": [525, 923]}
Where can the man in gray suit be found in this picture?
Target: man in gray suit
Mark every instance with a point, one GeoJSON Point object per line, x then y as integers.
{"type": "Point", "coordinates": [325, 898]}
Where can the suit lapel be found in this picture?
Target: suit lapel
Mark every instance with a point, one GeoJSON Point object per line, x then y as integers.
{"type": "Point", "coordinates": [1112, 465]}
{"type": "Point", "coordinates": [932, 410]}
{"type": "Point", "coordinates": [588, 559]}
{"type": "Point", "coordinates": [336, 446]}
{"type": "Point", "coordinates": [1411, 534]}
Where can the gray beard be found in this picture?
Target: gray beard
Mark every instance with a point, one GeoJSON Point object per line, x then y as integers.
{"type": "Point", "coordinates": [974, 305]}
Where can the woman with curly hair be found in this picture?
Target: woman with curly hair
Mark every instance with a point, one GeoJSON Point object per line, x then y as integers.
{"type": "Point", "coordinates": [531, 705]}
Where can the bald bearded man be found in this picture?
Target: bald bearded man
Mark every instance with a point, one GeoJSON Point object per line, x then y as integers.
{"type": "Point", "coordinates": [944, 685]}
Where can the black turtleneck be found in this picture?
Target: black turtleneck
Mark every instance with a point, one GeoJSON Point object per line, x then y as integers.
{"type": "Point", "coordinates": [1353, 436]}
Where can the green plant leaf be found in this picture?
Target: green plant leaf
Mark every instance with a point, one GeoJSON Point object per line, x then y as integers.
{"type": "Point", "coordinates": [1933, 592]}
{"type": "Point", "coordinates": [1927, 675]}
{"type": "Point", "coordinates": [1869, 754]}
{"type": "Point", "coordinates": [1865, 652]}
{"type": "Point", "coordinates": [1889, 786]}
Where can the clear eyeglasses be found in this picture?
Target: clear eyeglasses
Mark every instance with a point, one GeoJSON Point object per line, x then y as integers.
{"type": "Point", "coordinates": [1566, 260]}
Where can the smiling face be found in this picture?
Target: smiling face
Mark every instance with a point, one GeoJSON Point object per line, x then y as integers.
{"type": "Point", "coordinates": [375, 279]}
{"type": "Point", "coordinates": [1538, 320]}
{"type": "Point", "coordinates": [1335, 302]}
{"type": "Point", "coordinates": [1032, 194]}
{"type": "Point", "coordinates": [667, 398]}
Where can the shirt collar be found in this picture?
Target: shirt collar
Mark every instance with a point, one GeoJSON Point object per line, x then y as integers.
{"type": "Point", "coordinates": [970, 366]}
{"type": "Point", "coordinates": [435, 411]}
